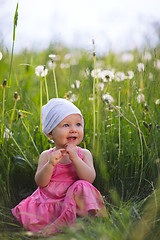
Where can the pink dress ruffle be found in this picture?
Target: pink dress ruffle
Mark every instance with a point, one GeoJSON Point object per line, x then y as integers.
{"type": "Point", "coordinates": [57, 205]}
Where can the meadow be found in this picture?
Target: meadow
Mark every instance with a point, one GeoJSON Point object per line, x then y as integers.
{"type": "Point", "coordinates": [119, 96]}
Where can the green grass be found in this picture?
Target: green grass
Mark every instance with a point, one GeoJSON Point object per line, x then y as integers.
{"type": "Point", "coordinates": [122, 135]}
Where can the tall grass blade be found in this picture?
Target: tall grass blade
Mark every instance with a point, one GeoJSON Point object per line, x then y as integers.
{"type": "Point", "coordinates": [140, 136]}
{"type": "Point", "coordinates": [55, 81]}
{"type": "Point", "coordinates": [14, 33]}
{"type": "Point", "coordinates": [21, 151]}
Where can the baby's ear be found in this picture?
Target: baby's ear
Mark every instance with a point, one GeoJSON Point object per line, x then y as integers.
{"type": "Point", "coordinates": [50, 135]}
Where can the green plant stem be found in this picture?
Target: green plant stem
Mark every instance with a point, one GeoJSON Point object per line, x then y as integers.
{"type": "Point", "coordinates": [10, 71]}
{"type": "Point", "coordinates": [30, 136]}
{"type": "Point", "coordinates": [21, 151]}
{"type": "Point", "coordinates": [45, 80]}
{"type": "Point", "coordinates": [3, 111]}
{"type": "Point", "coordinates": [40, 104]}
{"type": "Point", "coordinates": [119, 126]}
{"type": "Point", "coordinates": [14, 32]}
{"type": "Point", "coordinates": [55, 82]}
{"type": "Point", "coordinates": [141, 147]}
{"type": "Point", "coordinates": [94, 96]}
{"type": "Point", "coordinates": [94, 112]}
{"type": "Point", "coordinates": [13, 113]}
{"type": "Point", "coordinates": [131, 124]}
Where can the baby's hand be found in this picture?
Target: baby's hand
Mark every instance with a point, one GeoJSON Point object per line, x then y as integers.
{"type": "Point", "coordinates": [56, 155]}
{"type": "Point", "coordinates": [72, 151]}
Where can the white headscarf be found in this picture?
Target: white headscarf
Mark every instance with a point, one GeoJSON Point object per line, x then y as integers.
{"type": "Point", "coordinates": [55, 111]}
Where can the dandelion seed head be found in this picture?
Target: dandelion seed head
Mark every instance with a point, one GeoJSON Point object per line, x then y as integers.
{"type": "Point", "coordinates": [157, 101]}
{"type": "Point", "coordinates": [54, 57]}
{"type": "Point", "coordinates": [72, 85]}
{"type": "Point", "coordinates": [77, 82]}
{"type": "Point", "coordinates": [140, 67]}
{"type": "Point", "coordinates": [1, 55]}
{"type": "Point", "coordinates": [101, 86]}
{"type": "Point", "coordinates": [90, 98]}
{"type": "Point", "coordinates": [94, 72]}
{"type": "Point", "coordinates": [73, 98]}
{"type": "Point", "coordinates": [106, 75]}
{"type": "Point", "coordinates": [120, 76]}
{"type": "Point", "coordinates": [157, 64]}
{"type": "Point", "coordinates": [140, 98]}
{"type": "Point", "coordinates": [41, 71]}
{"type": "Point", "coordinates": [130, 74]}
{"type": "Point", "coordinates": [108, 97]}
{"type": "Point", "coordinates": [7, 133]}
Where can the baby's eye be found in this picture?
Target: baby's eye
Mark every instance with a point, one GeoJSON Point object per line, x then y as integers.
{"type": "Point", "coordinates": [78, 124]}
{"type": "Point", "coordinates": [66, 125]}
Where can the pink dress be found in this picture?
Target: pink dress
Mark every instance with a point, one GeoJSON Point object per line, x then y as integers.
{"type": "Point", "coordinates": [58, 204]}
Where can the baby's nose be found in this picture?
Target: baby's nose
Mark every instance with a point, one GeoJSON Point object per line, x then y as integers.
{"type": "Point", "coordinates": [73, 129]}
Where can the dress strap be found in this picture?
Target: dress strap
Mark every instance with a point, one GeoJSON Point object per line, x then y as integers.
{"type": "Point", "coordinates": [80, 152]}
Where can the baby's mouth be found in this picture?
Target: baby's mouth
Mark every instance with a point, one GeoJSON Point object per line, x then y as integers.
{"type": "Point", "coordinates": [71, 139]}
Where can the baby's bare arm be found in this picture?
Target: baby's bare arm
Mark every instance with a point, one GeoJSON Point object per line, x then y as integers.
{"type": "Point", "coordinates": [47, 161]}
{"type": "Point", "coordinates": [84, 168]}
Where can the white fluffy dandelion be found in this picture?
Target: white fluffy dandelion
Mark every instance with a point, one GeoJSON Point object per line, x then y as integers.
{"type": "Point", "coordinates": [54, 57]}
{"type": "Point", "coordinates": [1, 55]}
{"type": "Point", "coordinates": [106, 75]}
{"type": "Point", "coordinates": [7, 134]}
{"type": "Point", "coordinates": [41, 71]}
{"type": "Point", "coordinates": [120, 76]}
{"type": "Point", "coordinates": [78, 83]}
{"type": "Point", "coordinates": [140, 98]}
{"type": "Point", "coordinates": [101, 86]}
{"type": "Point", "coordinates": [95, 72]}
{"type": "Point", "coordinates": [108, 97]}
{"type": "Point", "coordinates": [157, 101]}
{"type": "Point", "coordinates": [72, 85]}
{"type": "Point", "coordinates": [157, 64]}
{"type": "Point", "coordinates": [140, 67]}
{"type": "Point", "coordinates": [130, 75]}
{"type": "Point", "coordinates": [73, 98]}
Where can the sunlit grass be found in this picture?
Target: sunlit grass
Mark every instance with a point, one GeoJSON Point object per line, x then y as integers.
{"type": "Point", "coordinates": [124, 139]}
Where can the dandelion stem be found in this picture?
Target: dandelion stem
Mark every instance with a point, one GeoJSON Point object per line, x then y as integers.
{"type": "Point", "coordinates": [40, 103]}
{"type": "Point", "coordinates": [141, 147]}
{"type": "Point", "coordinates": [94, 97]}
{"type": "Point", "coordinates": [21, 151]}
{"type": "Point", "coordinates": [119, 125]}
{"type": "Point", "coordinates": [55, 82]}
{"type": "Point", "coordinates": [3, 110]}
{"type": "Point", "coordinates": [15, 103]}
{"type": "Point", "coordinates": [46, 88]}
{"type": "Point", "coordinates": [130, 123]}
{"type": "Point", "coordinates": [30, 135]}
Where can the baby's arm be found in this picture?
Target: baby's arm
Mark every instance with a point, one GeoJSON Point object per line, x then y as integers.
{"type": "Point", "coordinates": [84, 168]}
{"type": "Point", "coordinates": [47, 161]}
